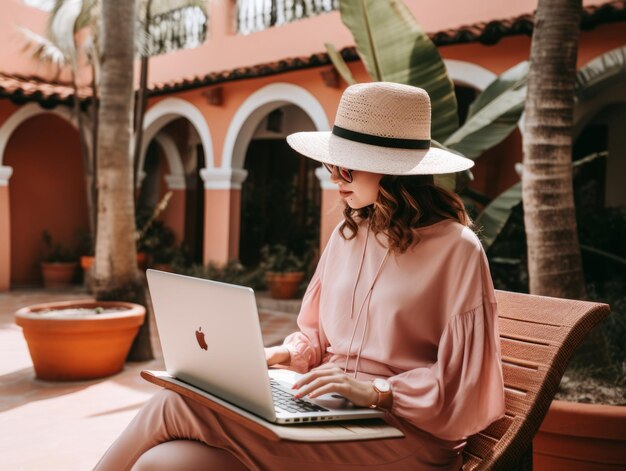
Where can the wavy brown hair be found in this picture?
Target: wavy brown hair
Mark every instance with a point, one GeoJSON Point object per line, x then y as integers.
{"type": "Point", "coordinates": [405, 203]}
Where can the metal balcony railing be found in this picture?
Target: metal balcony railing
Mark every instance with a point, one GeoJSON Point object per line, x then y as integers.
{"type": "Point", "coordinates": [258, 15]}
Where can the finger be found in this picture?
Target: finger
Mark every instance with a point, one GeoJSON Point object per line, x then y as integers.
{"type": "Point", "coordinates": [313, 375]}
{"type": "Point", "coordinates": [319, 382]}
{"type": "Point", "coordinates": [342, 388]}
{"type": "Point", "coordinates": [327, 366]}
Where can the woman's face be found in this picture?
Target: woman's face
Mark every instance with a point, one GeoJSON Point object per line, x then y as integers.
{"type": "Point", "coordinates": [362, 191]}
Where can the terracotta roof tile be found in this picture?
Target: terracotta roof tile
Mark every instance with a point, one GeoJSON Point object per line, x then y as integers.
{"type": "Point", "coordinates": [21, 89]}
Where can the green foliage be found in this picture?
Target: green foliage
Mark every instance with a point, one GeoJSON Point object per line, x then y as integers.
{"type": "Point", "coordinates": [493, 115]}
{"type": "Point", "coordinates": [233, 272]}
{"type": "Point", "coordinates": [55, 252]}
{"type": "Point", "coordinates": [339, 64]}
{"type": "Point", "coordinates": [278, 259]}
{"type": "Point", "coordinates": [155, 238]}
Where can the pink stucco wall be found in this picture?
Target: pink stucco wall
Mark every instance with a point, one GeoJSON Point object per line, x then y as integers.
{"type": "Point", "coordinates": [225, 50]}
{"type": "Point", "coordinates": [47, 192]}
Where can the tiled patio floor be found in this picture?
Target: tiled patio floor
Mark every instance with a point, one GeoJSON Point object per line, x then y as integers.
{"type": "Point", "coordinates": [47, 426]}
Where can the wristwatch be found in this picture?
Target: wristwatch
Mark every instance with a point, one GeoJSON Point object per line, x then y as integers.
{"type": "Point", "coordinates": [383, 388]}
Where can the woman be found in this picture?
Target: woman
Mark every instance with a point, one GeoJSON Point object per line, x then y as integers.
{"type": "Point", "coordinates": [400, 313]}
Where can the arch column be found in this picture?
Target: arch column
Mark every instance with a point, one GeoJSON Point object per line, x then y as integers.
{"type": "Point", "coordinates": [222, 208]}
{"type": "Point", "coordinates": [5, 229]}
{"type": "Point", "coordinates": [331, 209]}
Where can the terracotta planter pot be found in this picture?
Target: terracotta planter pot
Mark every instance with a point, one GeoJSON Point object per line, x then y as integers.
{"type": "Point", "coordinates": [58, 274]}
{"type": "Point", "coordinates": [283, 285]}
{"type": "Point", "coordinates": [578, 437]}
{"type": "Point", "coordinates": [79, 348]}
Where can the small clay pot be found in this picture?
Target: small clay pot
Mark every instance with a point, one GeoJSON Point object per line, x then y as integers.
{"type": "Point", "coordinates": [58, 274]}
{"type": "Point", "coordinates": [284, 285]}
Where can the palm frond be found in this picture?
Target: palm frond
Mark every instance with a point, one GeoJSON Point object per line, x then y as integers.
{"type": "Point", "coordinates": [62, 25]}
{"type": "Point", "coordinates": [44, 5]}
{"type": "Point", "coordinates": [43, 49]}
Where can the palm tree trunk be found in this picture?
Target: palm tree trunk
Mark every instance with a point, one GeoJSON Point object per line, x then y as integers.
{"type": "Point", "coordinates": [115, 271]}
{"type": "Point", "coordinates": [140, 112]}
{"type": "Point", "coordinates": [88, 169]}
{"type": "Point", "coordinates": [554, 262]}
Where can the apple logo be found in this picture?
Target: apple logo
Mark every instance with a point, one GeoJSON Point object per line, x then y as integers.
{"type": "Point", "coordinates": [200, 339]}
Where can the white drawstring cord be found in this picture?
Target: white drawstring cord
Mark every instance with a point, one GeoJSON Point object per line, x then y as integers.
{"type": "Point", "coordinates": [367, 295]}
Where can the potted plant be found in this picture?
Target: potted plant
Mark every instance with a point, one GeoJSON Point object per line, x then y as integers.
{"type": "Point", "coordinates": [156, 243]}
{"type": "Point", "coordinates": [78, 340]}
{"type": "Point", "coordinates": [59, 264]}
{"type": "Point", "coordinates": [284, 271]}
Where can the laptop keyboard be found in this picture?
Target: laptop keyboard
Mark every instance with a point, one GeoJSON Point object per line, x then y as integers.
{"type": "Point", "coordinates": [287, 402]}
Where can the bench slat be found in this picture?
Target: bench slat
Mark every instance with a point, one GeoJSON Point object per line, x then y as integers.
{"type": "Point", "coordinates": [470, 463]}
{"type": "Point", "coordinates": [542, 309]}
{"type": "Point", "coordinates": [520, 352]}
{"type": "Point", "coordinates": [498, 428]}
{"type": "Point", "coordinates": [517, 405]}
{"type": "Point", "coordinates": [524, 379]}
{"type": "Point", "coordinates": [480, 445]}
{"type": "Point", "coordinates": [534, 333]}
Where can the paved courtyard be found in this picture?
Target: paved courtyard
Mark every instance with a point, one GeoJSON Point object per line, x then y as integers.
{"type": "Point", "coordinates": [46, 426]}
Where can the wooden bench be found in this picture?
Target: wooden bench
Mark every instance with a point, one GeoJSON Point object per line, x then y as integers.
{"type": "Point", "coordinates": [539, 335]}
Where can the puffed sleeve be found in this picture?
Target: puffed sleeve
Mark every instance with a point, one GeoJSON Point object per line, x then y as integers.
{"type": "Point", "coordinates": [308, 346]}
{"type": "Point", "coordinates": [462, 392]}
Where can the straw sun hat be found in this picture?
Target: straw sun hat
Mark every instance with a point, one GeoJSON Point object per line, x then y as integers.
{"type": "Point", "coordinates": [380, 127]}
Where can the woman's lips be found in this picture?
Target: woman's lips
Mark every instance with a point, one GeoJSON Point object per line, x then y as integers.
{"type": "Point", "coordinates": [344, 193]}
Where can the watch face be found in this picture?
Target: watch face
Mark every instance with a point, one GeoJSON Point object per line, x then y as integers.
{"type": "Point", "coordinates": [382, 385]}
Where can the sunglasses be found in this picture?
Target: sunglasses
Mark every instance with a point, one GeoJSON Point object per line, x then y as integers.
{"type": "Point", "coordinates": [344, 173]}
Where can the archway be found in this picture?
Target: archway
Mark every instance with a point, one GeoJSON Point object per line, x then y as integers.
{"type": "Point", "coordinates": [47, 189]}
{"type": "Point", "coordinates": [281, 197]}
{"type": "Point", "coordinates": [172, 162]}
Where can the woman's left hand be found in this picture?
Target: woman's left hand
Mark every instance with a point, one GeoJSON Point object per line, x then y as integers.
{"type": "Point", "coordinates": [331, 379]}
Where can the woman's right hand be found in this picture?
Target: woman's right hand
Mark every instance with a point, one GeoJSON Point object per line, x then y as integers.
{"type": "Point", "coordinates": [279, 355]}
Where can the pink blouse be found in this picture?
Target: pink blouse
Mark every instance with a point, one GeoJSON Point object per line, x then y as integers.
{"type": "Point", "coordinates": [426, 320]}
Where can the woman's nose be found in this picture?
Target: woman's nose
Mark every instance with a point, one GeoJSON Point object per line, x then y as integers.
{"type": "Point", "coordinates": [334, 175]}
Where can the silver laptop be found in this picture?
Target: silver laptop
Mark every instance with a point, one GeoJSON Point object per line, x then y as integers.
{"type": "Point", "coordinates": [211, 339]}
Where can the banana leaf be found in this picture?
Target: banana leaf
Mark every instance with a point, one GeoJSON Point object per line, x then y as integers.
{"type": "Point", "coordinates": [497, 213]}
{"type": "Point", "coordinates": [339, 64]}
{"type": "Point", "coordinates": [393, 48]}
{"type": "Point", "coordinates": [506, 81]}
{"type": "Point", "coordinates": [447, 180]}
{"type": "Point", "coordinates": [493, 115]}
{"type": "Point", "coordinates": [602, 71]}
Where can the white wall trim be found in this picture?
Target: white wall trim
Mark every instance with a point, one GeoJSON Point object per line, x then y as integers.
{"type": "Point", "coordinates": [168, 110]}
{"type": "Point", "coordinates": [175, 182]}
{"type": "Point", "coordinates": [223, 178]}
{"type": "Point", "coordinates": [469, 74]}
{"type": "Point", "coordinates": [174, 162]}
{"type": "Point", "coordinates": [324, 177]}
{"type": "Point", "coordinates": [256, 107]}
{"type": "Point", "coordinates": [5, 174]}
{"type": "Point", "coordinates": [24, 113]}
